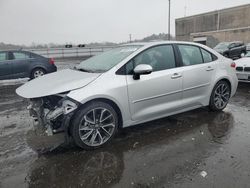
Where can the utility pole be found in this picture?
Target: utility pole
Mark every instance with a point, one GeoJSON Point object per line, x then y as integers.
{"type": "Point", "coordinates": [185, 11]}
{"type": "Point", "coordinates": [169, 19]}
{"type": "Point", "coordinates": [130, 38]}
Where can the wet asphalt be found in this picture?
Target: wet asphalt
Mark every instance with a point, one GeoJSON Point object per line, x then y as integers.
{"type": "Point", "coordinates": [194, 149]}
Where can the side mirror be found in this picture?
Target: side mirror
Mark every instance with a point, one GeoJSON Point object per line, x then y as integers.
{"type": "Point", "coordinates": [142, 69]}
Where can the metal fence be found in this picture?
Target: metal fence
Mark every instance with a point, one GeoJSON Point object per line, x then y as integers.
{"type": "Point", "coordinates": [70, 52]}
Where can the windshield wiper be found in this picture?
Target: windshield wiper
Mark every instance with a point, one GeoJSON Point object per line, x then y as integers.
{"type": "Point", "coordinates": [87, 70]}
{"type": "Point", "coordinates": [81, 69]}
{"type": "Point", "coordinates": [99, 71]}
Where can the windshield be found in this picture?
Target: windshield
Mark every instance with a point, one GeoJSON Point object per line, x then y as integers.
{"type": "Point", "coordinates": [222, 45]}
{"type": "Point", "coordinates": [108, 59]}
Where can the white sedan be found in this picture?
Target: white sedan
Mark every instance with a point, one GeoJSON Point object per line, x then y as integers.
{"type": "Point", "coordinates": [243, 68]}
{"type": "Point", "coordinates": [129, 85]}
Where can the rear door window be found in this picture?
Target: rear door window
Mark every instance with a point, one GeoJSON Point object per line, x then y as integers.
{"type": "Point", "coordinates": [34, 55]}
{"type": "Point", "coordinates": [20, 56]}
{"type": "Point", "coordinates": [3, 56]}
{"type": "Point", "coordinates": [191, 55]}
{"type": "Point", "coordinates": [238, 44]}
{"type": "Point", "coordinates": [232, 45]}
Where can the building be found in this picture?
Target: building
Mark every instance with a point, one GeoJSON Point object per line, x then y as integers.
{"type": "Point", "coordinates": [231, 24]}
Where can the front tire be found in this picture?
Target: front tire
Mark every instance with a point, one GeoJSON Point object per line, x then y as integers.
{"type": "Point", "coordinates": [220, 96]}
{"type": "Point", "coordinates": [94, 125]}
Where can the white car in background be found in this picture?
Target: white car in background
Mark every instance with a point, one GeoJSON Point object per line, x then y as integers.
{"type": "Point", "coordinates": [243, 68]}
{"type": "Point", "coordinates": [128, 85]}
{"type": "Point", "coordinates": [248, 47]}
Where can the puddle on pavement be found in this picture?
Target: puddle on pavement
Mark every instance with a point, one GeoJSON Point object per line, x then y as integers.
{"type": "Point", "coordinates": [168, 152]}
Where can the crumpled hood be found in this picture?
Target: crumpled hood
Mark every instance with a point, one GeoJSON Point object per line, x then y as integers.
{"type": "Point", "coordinates": [245, 61]}
{"type": "Point", "coordinates": [55, 83]}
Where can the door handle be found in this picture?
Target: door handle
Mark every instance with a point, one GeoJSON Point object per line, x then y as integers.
{"type": "Point", "coordinates": [209, 68]}
{"type": "Point", "coordinates": [176, 75]}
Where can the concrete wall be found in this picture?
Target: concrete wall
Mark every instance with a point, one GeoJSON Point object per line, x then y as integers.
{"type": "Point", "coordinates": [193, 24]}
{"type": "Point", "coordinates": [213, 38]}
{"type": "Point", "coordinates": [235, 17]}
{"type": "Point", "coordinates": [223, 25]}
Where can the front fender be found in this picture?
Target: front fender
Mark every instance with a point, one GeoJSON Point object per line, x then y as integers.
{"type": "Point", "coordinates": [113, 89]}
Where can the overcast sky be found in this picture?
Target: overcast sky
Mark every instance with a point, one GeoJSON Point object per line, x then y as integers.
{"type": "Point", "coordinates": [84, 21]}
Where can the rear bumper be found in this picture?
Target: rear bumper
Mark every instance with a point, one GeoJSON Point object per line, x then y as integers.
{"type": "Point", "coordinates": [51, 69]}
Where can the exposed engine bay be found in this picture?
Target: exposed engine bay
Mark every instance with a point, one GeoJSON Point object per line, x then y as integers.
{"type": "Point", "coordinates": [52, 113]}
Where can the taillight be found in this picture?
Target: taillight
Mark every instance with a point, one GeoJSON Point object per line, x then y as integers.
{"type": "Point", "coordinates": [233, 65]}
{"type": "Point", "coordinates": [51, 61]}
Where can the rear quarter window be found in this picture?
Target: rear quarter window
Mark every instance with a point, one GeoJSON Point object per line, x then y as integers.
{"type": "Point", "coordinates": [207, 56]}
{"type": "Point", "coordinates": [32, 55]}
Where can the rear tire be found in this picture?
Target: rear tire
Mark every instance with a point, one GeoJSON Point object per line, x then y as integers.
{"type": "Point", "coordinates": [37, 72]}
{"type": "Point", "coordinates": [220, 96]}
{"type": "Point", "coordinates": [94, 125]}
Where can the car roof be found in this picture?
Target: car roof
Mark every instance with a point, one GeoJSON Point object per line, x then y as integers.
{"type": "Point", "coordinates": [14, 51]}
{"type": "Point", "coordinates": [232, 42]}
{"type": "Point", "coordinates": [154, 43]}
{"type": "Point", "coordinates": [237, 42]}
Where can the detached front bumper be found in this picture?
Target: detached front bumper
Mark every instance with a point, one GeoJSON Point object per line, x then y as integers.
{"type": "Point", "coordinates": [52, 120]}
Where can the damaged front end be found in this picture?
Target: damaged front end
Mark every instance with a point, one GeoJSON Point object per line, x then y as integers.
{"type": "Point", "coordinates": [52, 113]}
